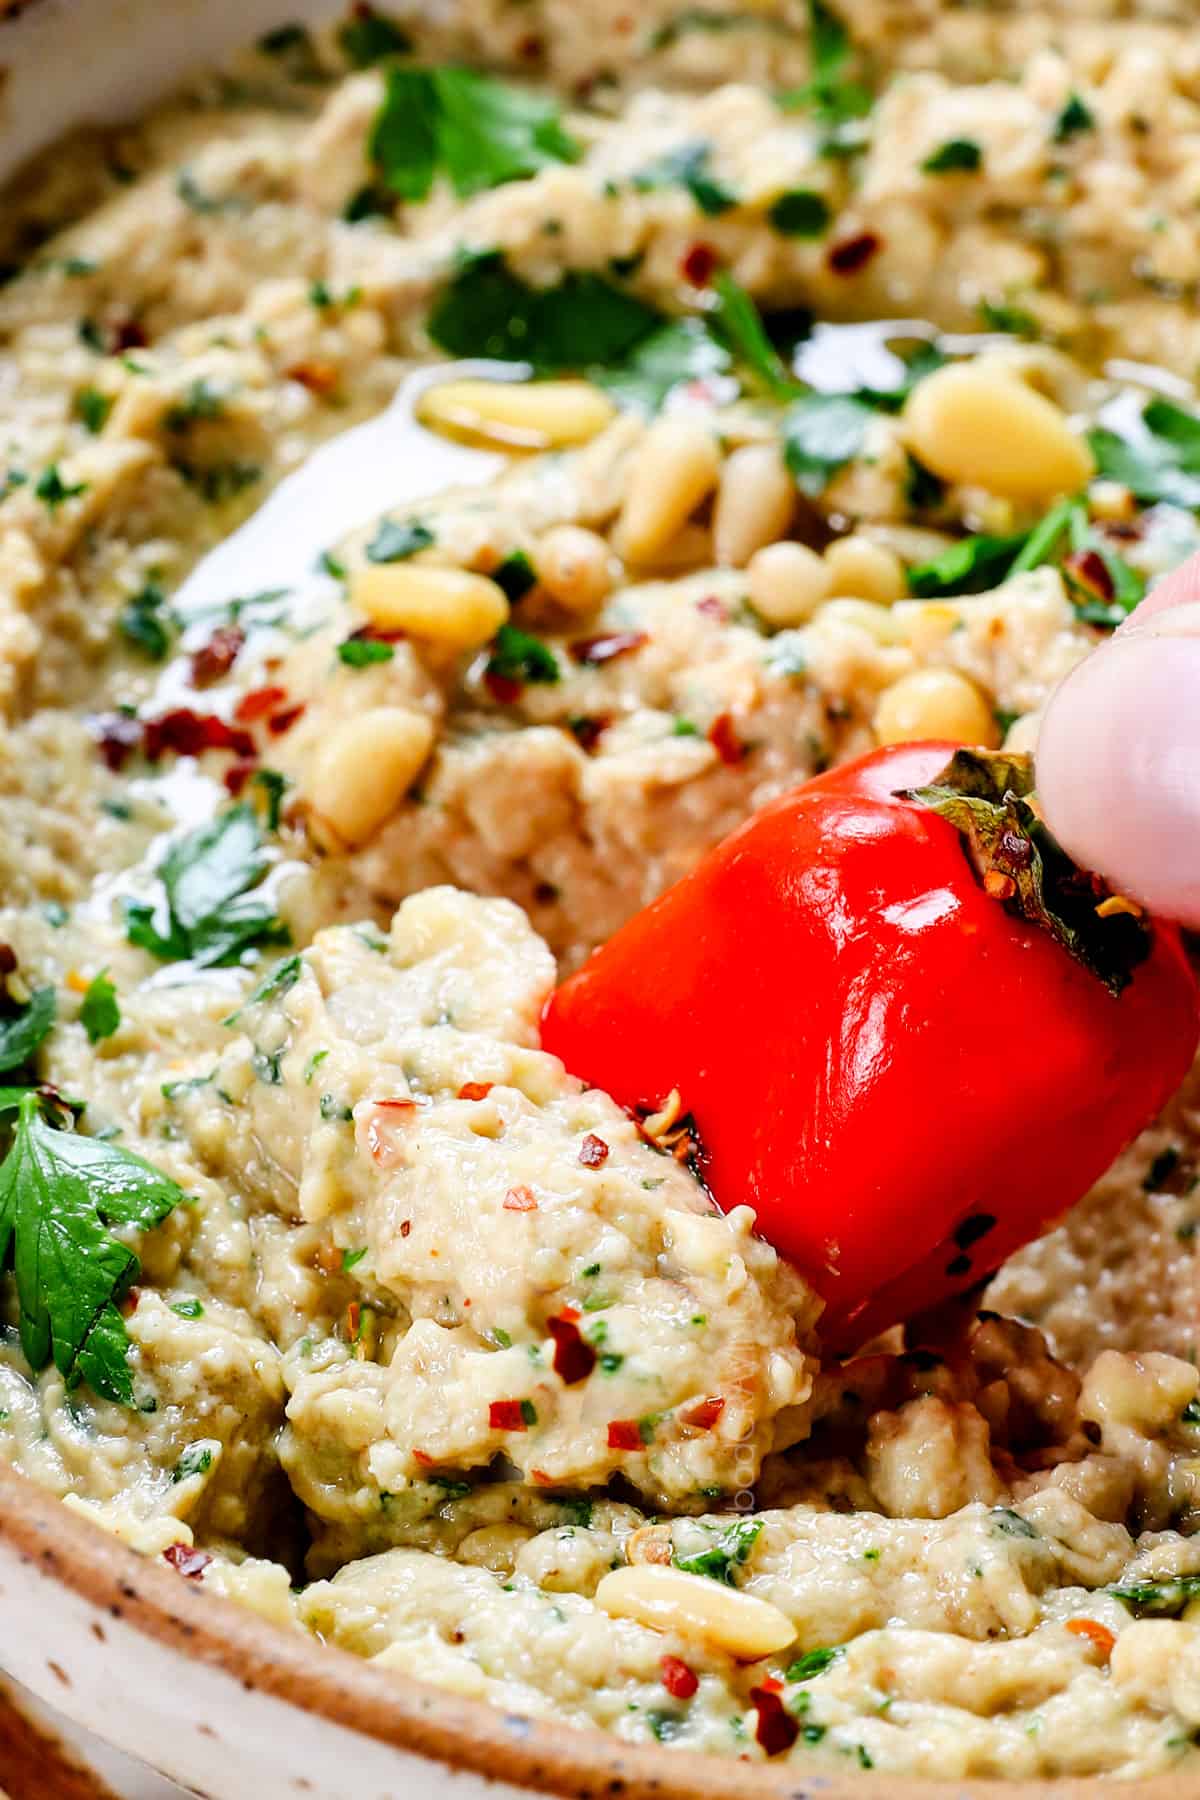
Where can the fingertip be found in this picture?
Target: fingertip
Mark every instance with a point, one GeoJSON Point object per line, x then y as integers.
{"type": "Point", "coordinates": [1118, 761]}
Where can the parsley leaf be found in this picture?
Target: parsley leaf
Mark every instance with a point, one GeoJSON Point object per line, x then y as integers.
{"type": "Point", "coordinates": [1076, 116]}
{"type": "Point", "coordinates": [100, 1015]}
{"type": "Point", "coordinates": [837, 101]}
{"type": "Point", "coordinates": [486, 310]}
{"type": "Point", "coordinates": [395, 540]}
{"type": "Point", "coordinates": [23, 1031]}
{"type": "Point", "coordinates": [480, 132]}
{"type": "Point", "coordinates": [362, 653]}
{"type": "Point", "coordinates": [52, 490]}
{"type": "Point", "coordinates": [813, 1662]}
{"type": "Point", "coordinates": [800, 213]}
{"type": "Point", "coordinates": [1158, 1599]}
{"type": "Point", "coordinates": [675, 351]}
{"type": "Point", "coordinates": [1162, 465]}
{"type": "Point", "coordinates": [822, 432]}
{"type": "Point", "coordinates": [212, 918]}
{"type": "Point", "coordinates": [518, 656]}
{"type": "Point", "coordinates": [146, 623]}
{"type": "Point", "coordinates": [92, 409]}
{"type": "Point", "coordinates": [957, 156]}
{"type": "Point", "coordinates": [971, 566]}
{"type": "Point", "coordinates": [738, 322]}
{"type": "Point", "coordinates": [687, 166]}
{"type": "Point", "coordinates": [727, 1553]}
{"type": "Point", "coordinates": [59, 1194]}
{"type": "Point", "coordinates": [367, 37]}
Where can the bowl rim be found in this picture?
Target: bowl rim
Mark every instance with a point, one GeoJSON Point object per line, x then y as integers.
{"type": "Point", "coordinates": [399, 1711]}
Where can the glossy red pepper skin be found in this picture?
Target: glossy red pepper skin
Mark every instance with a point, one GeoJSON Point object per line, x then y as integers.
{"type": "Point", "coordinates": [903, 1080]}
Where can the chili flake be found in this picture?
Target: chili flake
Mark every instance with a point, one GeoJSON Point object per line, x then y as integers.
{"type": "Point", "coordinates": [702, 1415]}
{"type": "Point", "coordinates": [574, 1358]}
{"type": "Point", "coordinates": [593, 1152]}
{"type": "Point", "coordinates": [258, 703]}
{"type": "Point", "coordinates": [776, 1729]}
{"type": "Point", "coordinates": [624, 1434]}
{"type": "Point", "coordinates": [853, 254]}
{"type": "Point", "coordinates": [1099, 1636]}
{"type": "Point", "coordinates": [725, 741]}
{"type": "Point", "coordinates": [475, 1090]}
{"type": "Point", "coordinates": [680, 1681]}
{"type": "Point", "coordinates": [520, 1199]}
{"type": "Point", "coordinates": [185, 1561]}
{"type": "Point", "coordinates": [506, 1415]}
{"type": "Point", "coordinates": [215, 659]}
{"type": "Point", "coordinates": [698, 265]}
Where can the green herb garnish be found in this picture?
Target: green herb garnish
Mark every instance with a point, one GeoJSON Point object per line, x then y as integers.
{"type": "Point", "coordinates": [212, 918]}
{"type": "Point", "coordinates": [100, 1015]}
{"type": "Point", "coordinates": [479, 132]}
{"type": "Point", "coordinates": [728, 1552]}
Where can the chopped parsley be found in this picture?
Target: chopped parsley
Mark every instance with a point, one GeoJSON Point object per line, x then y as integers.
{"type": "Point", "coordinates": [800, 213]}
{"type": "Point", "coordinates": [395, 540]}
{"type": "Point", "coordinates": [59, 1195]}
{"type": "Point", "coordinates": [100, 1014]}
{"type": "Point", "coordinates": [351, 1260]}
{"type": "Point", "coordinates": [190, 1308]}
{"type": "Point", "coordinates": [957, 156]}
{"type": "Point", "coordinates": [478, 132]}
{"type": "Point", "coordinates": [52, 490]}
{"type": "Point", "coordinates": [92, 409]}
{"type": "Point", "coordinates": [814, 1662]}
{"type": "Point", "coordinates": [730, 1549]}
{"type": "Point", "coordinates": [516, 575]}
{"type": "Point", "coordinates": [361, 653]}
{"type": "Point", "coordinates": [1075, 117]}
{"type": "Point", "coordinates": [836, 100]}
{"type": "Point", "coordinates": [687, 166]}
{"type": "Point", "coordinates": [1162, 462]}
{"type": "Point", "coordinates": [146, 623]}
{"type": "Point", "coordinates": [197, 1459]}
{"type": "Point", "coordinates": [367, 37]}
{"type": "Point", "coordinates": [211, 915]}
{"type": "Point", "coordinates": [1165, 1598]}
{"type": "Point", "coordinates": [519, 656]}
{"type": "Point", "coordinates": [823, 432]}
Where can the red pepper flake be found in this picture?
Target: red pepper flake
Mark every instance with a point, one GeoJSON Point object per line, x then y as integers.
{"type": "Point", "coordinates": [624, 1434]}
{"type": "Point", "coordinates": [853, 254]}
{"type": "Point", "coordinates": [506, 690]}
{"type": "Point", "coordinates": [236, 776]}
{"type": "Point", "coordinates": [397, 1104]}
{"type": "Point", "coordinates": [354, 1321]}
{"type": "Point", "coordinates": [1090, 570]}
{"type": "Point", "coordinates": [317, 376]}
{"type": "Point", "coordinates": [520, 1199]}
{"type": "Point", "coordinates": [117, 737]}
{"type": "Point", "coordinates": [215, 659]}
{"type": "Point", "coordinates": [424, 1459]}
{"type": "Point", "coordinates": [506, 1415]}
{"type": "Point", "coordinates": [574, 1358]}
{"type": "Point", "coordinates": [475, 1090]}
{"type": "Point", "coordinates": [280, 722]}
{"type": "Point", "coordinates": [725, 741]}
{"type": "Point", "coordinates": [129, 1303]}
{"type": "Point", "coordinates": [187, 733]}
{"type": "Point", "coordinates": [593, 1151]}
{"type": "Point", "coordinates": [258, 703]}
{"type": "Point", "coordinates": [541, 1477]}
{"type": "Point", "coordinates": [608, 646]}
{"type": "Point", "coordinates": [679, 1681]}
{"type": "Point", "coordinates": [405, 1227]}
{"type": "Point", "coordinates": [1099, 1636]}
{"type": "Point", "coordinates": [189, 1563]}
{"type": "Point", "coordinates": [530, 48]}
{"type": "Point", "coordinates": [702, 1415]}
{"type": "Point", "coordinates": [772, 1684]}
{"type": "Point", "coordinates": [712, 608]}
{"type": "Point", "coordinates": [587, 732]}
{"type": "Point", "coordinates": [776, 1729]}
{"type": "Point", "coordinates": [129, 335]}
{"type": "Point", "coordinates": [699, 265]}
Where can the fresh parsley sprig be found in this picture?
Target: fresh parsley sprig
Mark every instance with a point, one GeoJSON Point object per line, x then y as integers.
{"type": "Point", "coordinates": [208, 912]}
{"type": "Point", "coordinates": [60, 1194]}
{"type": "Point", "coordinates": [477, 131]}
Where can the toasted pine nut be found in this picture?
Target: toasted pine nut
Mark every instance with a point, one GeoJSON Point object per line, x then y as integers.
{"type": "Point", "coordinates": [986, 428]}
{"type": "Point", "coordinates": [517, 415]}
{"type": "Point", "coordinates": [787, 583]}
{"type": "Point", "coordinates": [865, 570]}
{"type": "Point", "coordinates": [675, 467]}
{"type": "Point", "coordinates": [444, 606]}
{"type": "Point", "coordinates": [574, 567]}
{"type": "Point", "coordinates": [935, 703]}
{"type": "Point", "coordinates": [362, 772]}
{"type": "Point", "coordinates": [866, 615]}
{"type": "Point", "coordinates": [755, 504]}
{"type": "Point", "coordinates": [672, 1600]}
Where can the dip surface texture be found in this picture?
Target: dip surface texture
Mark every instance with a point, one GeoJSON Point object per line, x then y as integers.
{"type": "Point", "coordinates": [848, 399]}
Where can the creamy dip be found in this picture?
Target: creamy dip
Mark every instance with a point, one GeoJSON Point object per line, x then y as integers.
{"type": "Point", "coordinates": [430, 1350]}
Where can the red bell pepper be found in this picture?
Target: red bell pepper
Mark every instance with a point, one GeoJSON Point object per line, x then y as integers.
{"type": "Point", "coordinates": [901, 1024]}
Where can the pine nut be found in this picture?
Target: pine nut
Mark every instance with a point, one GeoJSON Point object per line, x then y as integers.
{"type": "Point", "coordinates": [517, 415]}
{"type": "Point", "coordinates": [756, 502]}
{"type": "Point", "coordinates": [866, 616]}
{"type": "Point", "coordinates": [362, 772]}
{"type": "Point", "coordinates": [935, 703]}
{"type": "Point", "coordinates": [444, 606]}
{"type": "Point", "coordinates": [787, 583]}
{"type": "Point", "coordinates": [575, 567]}
{"type": "Point", "coordinates": [675, 467]}
{"type": "Point", "coordinates": [865, 570]}
{"type": "Point", "coordinates": [985, 428]}
{"type": "Point", "coordinates": [669, 1599]}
